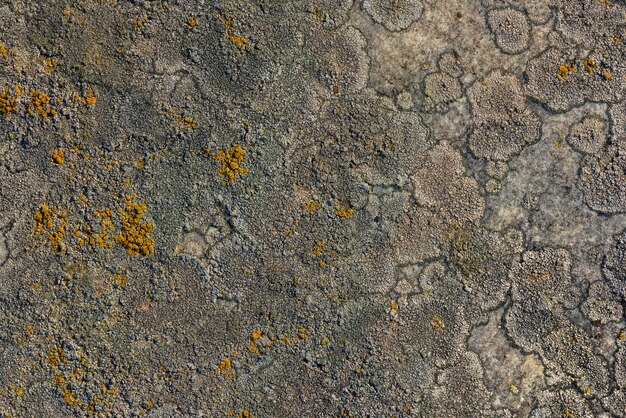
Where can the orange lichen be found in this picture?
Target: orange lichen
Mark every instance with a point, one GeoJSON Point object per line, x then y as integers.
{"type": "Point", "coordinates": [225, 369]}
{"type": "Point", "coordinates": [187, 121]}
{"type": "Point", "coordinates": [58, 156]}
{"type": "Point", "coordinates": [102, 238]}
{"type": "Point", "coordinates": [120, 279]}
{"type": "Point", "coordinates": [311, 205]}
{"type": "Point", "coordinates": [319, 248]}
{"type": "Point", "coordinates": [238, 41]}
{"type": "Point", "coordinates": [192, 22]}
{"type": "Point", "coordinates": [3, 51]}
{"type": "Point", "coordinates": [49, 65]}
{"type": "Point", "coordinates": [231, 161]}
{"type": "Point", "coordinates": [437, 323]}
{"type": "Point", "coordinates": [303, 333]}
{"type": "Point", "coordinates": [344, 211]}
{"type": "Point", "coordinates": [139, 21]}
{"type": "Point", "coordinates": [318, 14]}
{"type": "Point", "coordinates": [40, 103]}
{"type": "Point", "coordinates": [8, 103]}
{"type": "Point", "coordinates": [565, 70]}
{"type": "Point", "coordinates": [589, 64]}
{"type": "Point", "coordinates": [136, 234]}
{"type": "Point", "coordinates": [45, 220]}
{"type": "Point", "coordinates": [90, 98]}
{"type": "Point", "coordinates": [56, 356]}
{"type": "Point", "coordinates": [254, 336]}
{"type": "Point", "coordinates": [69, 396]}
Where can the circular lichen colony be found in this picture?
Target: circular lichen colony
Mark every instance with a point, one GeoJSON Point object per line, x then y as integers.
{"type": "Point", "coordinates": [510, 29]}
{"type": "Point", "coordinates": [395, 15]}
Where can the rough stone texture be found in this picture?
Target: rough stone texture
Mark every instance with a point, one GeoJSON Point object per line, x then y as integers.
{"type": "Point", "coordinates": [325, 208]}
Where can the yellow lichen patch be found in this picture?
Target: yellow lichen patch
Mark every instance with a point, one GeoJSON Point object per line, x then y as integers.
{"type": "Point", "coordinates": [19, 391]}
{"type": "Point", "coordinates": [120, 279]}
{"type": "Point", "coordinates": [192, 22]}
{"type": "Point", "coordinates": [565, 70]}
{"type": "Point", "coordinates": [47, 221]}
{"type": "Point", "coordinates": [90, 98]}
{"type": "Point", "coordinates": [40, 103]}
{"type": "Point", "coordinates": [319, 248]}
{"type": "Point", "coordinates": [187, 122]}
{"type": "Point", "coordinates": [49, 65]}
{"type": "Point", "coordinates": [437, 322]}
{"type": "Point", "coordinates": [102, 238]}
{"type": "Point", "coordinates": [56, 356]}
{"type": "Point", "coordinates": [58, 156]}
{"type": "Point", "coordinates": [238, 41]}
{"type": "Point", "coordinates": [69, 396]}
{"type": "Point", "coordinates": [254, 336]}
{"type": "Point", "coordinates": [245, 414]}
{"type": "Point", "coordinates": [230, 163]}
{"type": "Point", "coordinates": [303, 333]}
{"type": "Point", "coordinates": [621, 336]}
{"type": "Point", "coordinates": [344, 211]}
{"type": "Point", "coordinates": [3, 51]}
{"type": "Point", "coordinates": [225, 369]}
{"type": "Point", "coordinates": [140, 21]}
{"type": "Point", "coordinates": [8, 103]}
{"type": "Point", "coordinates": [568, 414]}
{"type": "Point", "coordinates": [589, 64]}
{"type": "Point", "coordinates": [136, 234]}
{"type": "Point", "coordinates": [324, 341]}
{"type": "Point", "coordinates": [311, 205]}
{"type": "Point", "coordinates": [318, 14]}
{"type": "Point", "coordinates": [607, 74]}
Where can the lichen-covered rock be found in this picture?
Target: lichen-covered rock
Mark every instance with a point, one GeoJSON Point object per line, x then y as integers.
{"type": "Point", "coordinates": [602, 178]}
{"type": "Point", "coordinates": [510, 29]}
{"type": "Point", "coordinates": [337, 61]}
{"type": "Point", "coordinates": [503, 122]}
{"type": "Point", "coordinates": [588, 135]}
{"type": "Point", "coordinates": [440, 90]}
{"type": "Point", "coordinates": [561, 79]}
{"type": "Point", "coordinates": [395, 15]}
{"type": "Point", "coordinates": [441, 185]}
{"type": "Point", "coordinates": [614, 266]}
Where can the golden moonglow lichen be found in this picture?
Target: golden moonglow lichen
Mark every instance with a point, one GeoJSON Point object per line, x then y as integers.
{"type": "Point", "coordinates": [8, 102]}
{"type": "Point", "coordinates": [47, 221]}
{"type": "Point", "coordinates": [40, 104]}
{"type": "Point", "coordinates": [344, 211]}
{"type": "Point", "coordinates": [231, 161]}
{"type": "Point", "coordinates": [136, 234]}
{"type": "Point", "coordinates": [58, 156]}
